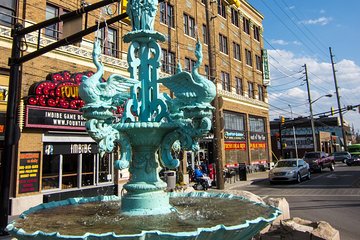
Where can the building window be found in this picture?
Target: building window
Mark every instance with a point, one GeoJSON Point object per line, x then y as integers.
{"type": "Point", "coordinates": [167, 14]}
{"type": "Point", "coordinates": [258, 62]}
{"type": "Point", "coordinates": [251, 90]}
{"type": "Point", "coordinates": [7, 12]}
{"type": "Point", "coordinates": [257, 33]}
{"type": "Point", "coordinates": [234, 17]}
{"type": "Point", "coordinates": [234, 121]}
{"type": "Point", "coordinates": [205, 34]}
{"type": "Point", "coordinates": [189, 64]}
{"type": "Point", "coordinates": [225, 80]}
{"type": "Point", "coordinates": [261, 92]}
{"type": "Point", "coordinates": [221, 8]}
{"type": "Point", "coordinates": [109, 46]}
{"type": "Point", "coordinates": [248, 57]}
{"type": "Point", "coordinates": [52, 30]}
{"type": "Point", "coordinates": [207, 72]}
{"type": "Point", "coordinates": [257, 124]}
{"type": "Point", "coordinates": [246, 25]}
{"type": "Point", "coordinates": [236, 51]}
{"type": "Point", "coordinates": [239, 86]}
{"type": "Point", "coordinates": [223, 45]}
{"type": "Point", "coordinates": [189, 25]}
{"type": "Point", "coordinates": [168, 61]}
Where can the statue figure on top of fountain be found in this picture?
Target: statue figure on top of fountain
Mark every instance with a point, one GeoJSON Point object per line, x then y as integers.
{"type": "Point", "coordinates": [142, 14]}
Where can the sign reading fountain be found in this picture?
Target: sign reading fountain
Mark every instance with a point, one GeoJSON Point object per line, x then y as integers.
{"type": "Point", "coordinates": [151, 124]}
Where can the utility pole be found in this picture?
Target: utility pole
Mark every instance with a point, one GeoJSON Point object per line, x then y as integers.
{"type": "Point", "coordinates": [218, 138]}
{"type": "Point", "coordinates": [311, 111]}
{"type": "Point", "coordinates": [338, 100]}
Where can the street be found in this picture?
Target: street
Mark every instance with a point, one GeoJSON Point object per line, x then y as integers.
{"type": "Point", "coordinates": [333, 197]}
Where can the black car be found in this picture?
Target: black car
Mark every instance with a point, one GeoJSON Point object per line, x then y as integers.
{"type": "Point", "coordinates": [354, 160]}
{"type": "Point", "coordinates": [342, 156]}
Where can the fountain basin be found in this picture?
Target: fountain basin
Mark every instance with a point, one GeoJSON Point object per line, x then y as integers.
{"type": "Point", "coordinates": [238, 229]}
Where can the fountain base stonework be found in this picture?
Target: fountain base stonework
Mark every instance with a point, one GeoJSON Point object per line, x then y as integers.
{"type": "Point", "coordinates": [248, 222]}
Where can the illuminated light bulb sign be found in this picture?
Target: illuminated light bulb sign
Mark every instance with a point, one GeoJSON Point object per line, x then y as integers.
{"type": "Point", "coordinates": [60, 90]}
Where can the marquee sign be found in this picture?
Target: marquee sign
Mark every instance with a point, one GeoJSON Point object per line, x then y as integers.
{"type": "Point", "coordinates": [59, 90]}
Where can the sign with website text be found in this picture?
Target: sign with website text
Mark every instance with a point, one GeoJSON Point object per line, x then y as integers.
{"type": "Point", "coordinates": [29, 176]}
{"type": "Point", "coordinates": [70, 148]}
{"type": "Point", "coordinates": [54, 118]}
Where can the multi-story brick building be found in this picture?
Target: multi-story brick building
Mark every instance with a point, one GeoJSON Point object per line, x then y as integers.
{"type": "Point", "coordinates": [55, 158]}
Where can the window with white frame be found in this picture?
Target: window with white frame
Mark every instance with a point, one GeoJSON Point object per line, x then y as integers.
{"type": "Point", "coordinates": [221, 8]}
{"type": "Point", "coordinates": [223, 44]}
{"type": "Point", "coordinates": [205, 34]}
{"type": "Point", "coordinates": [248, 57]}
{"type": "Point", "coordinates": [167, 14]}
{"type": "Point", "coordinates": [108, 39]}
{"type": "Point", "coordinates": [260, 92]}
{"type": "Point", "coordinates": [246, 25]}
{"type": "Point", "coordinates": [168, 61]}
{"type": "Point", "coordinates": [257, 33]}
{"type": "Point", "coordinates": [234, 17]}
{"type": "Point", "coordinates": [236, 51]}
{"type": "Point", "coordinates": [225, 80]}
{"type": "Point", "coordinates": [189, 25]}
{"type": "Point", "coordinates": [251, 90]}
{"type": "Point", "coordinates": [239, 86]}
{"type": "Point", "coordinates": [258, 62]}
{"type": "Point", "coordinates": [7, 12]}
{"type": "Point", "coordinates": [189, 64]}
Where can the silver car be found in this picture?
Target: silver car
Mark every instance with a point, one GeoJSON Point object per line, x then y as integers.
{"type": "Point", "coordinates": [288, 170]}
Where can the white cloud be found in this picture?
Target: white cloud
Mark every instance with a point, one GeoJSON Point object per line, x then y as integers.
{"type": "Point", "coordinates": [279, 42]}
{"type": "Point", "coordinates": [288, 85]}
{"type": "Point", "coordinates": [319, 21]}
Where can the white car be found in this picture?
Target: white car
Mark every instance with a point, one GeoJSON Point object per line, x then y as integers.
{"type": "Point", "coordinates": [289, 170]}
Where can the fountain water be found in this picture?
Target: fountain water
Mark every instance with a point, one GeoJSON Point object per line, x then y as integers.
{"type": "Point", "coordinates": [151, 123]}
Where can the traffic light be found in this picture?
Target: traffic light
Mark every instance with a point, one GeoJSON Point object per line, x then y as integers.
{"type": "Point", "coordinates": [332, 111]}
{"type": "Point", "coordinates": [232, 2]}
{"type": "Point", "coordinates": [123, 10]}
{"type": "Point", "coordinates": [282, 120]}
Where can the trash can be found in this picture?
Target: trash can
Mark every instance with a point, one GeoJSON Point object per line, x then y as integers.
{"type": "Point", "coordinates": [170, 178]}
{"type": "Point", "coordinates": [242, 172]}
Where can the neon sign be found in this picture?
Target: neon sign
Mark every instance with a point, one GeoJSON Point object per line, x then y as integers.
{"type": "Point", "coordinates": [60, 90]}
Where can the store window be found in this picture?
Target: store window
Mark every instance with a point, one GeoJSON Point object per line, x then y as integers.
{"type": "Point", "coordinates": [258, 140]}
{"type": "Point", "coordinates": [74, 171]}
{"type": "Point", "coordinates": [235, 140]}
{"type": "Point", "coordinates": [51, 172]}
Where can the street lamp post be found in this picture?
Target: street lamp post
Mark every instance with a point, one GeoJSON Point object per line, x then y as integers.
{"type": "Point", "coordinates": [312, 118]}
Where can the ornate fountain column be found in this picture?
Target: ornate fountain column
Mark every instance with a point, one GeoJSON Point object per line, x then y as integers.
{"type": "Point", "coordinates": [152, 122]}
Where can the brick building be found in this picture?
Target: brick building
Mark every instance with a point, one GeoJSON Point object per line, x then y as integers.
{"type": "Point", "coordinates": [55, 157]}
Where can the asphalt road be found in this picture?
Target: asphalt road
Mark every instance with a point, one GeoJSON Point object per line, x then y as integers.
{"type": "Point", "coordinates": [333, 197]}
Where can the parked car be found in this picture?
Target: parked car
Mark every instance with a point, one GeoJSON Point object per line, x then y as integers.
{"type": "Point", "coordinates": [354, 160]}
{"type": "Point", "coordinates": [319, 160]}
{"type": "Point", "coordinates": [341, 156]}
{"type": "Point", "coordinates": [293, 169]}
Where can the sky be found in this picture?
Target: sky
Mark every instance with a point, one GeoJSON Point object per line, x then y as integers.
{"type": "Point", "coordinates": [301, 32]}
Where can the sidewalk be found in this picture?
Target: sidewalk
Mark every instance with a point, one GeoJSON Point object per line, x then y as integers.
{"type": "Point", "coordinates": [251, 178]}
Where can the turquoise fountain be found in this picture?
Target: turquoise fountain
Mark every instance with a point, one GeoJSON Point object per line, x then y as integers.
{"type": "Point", "coordinates": [152, 122]}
